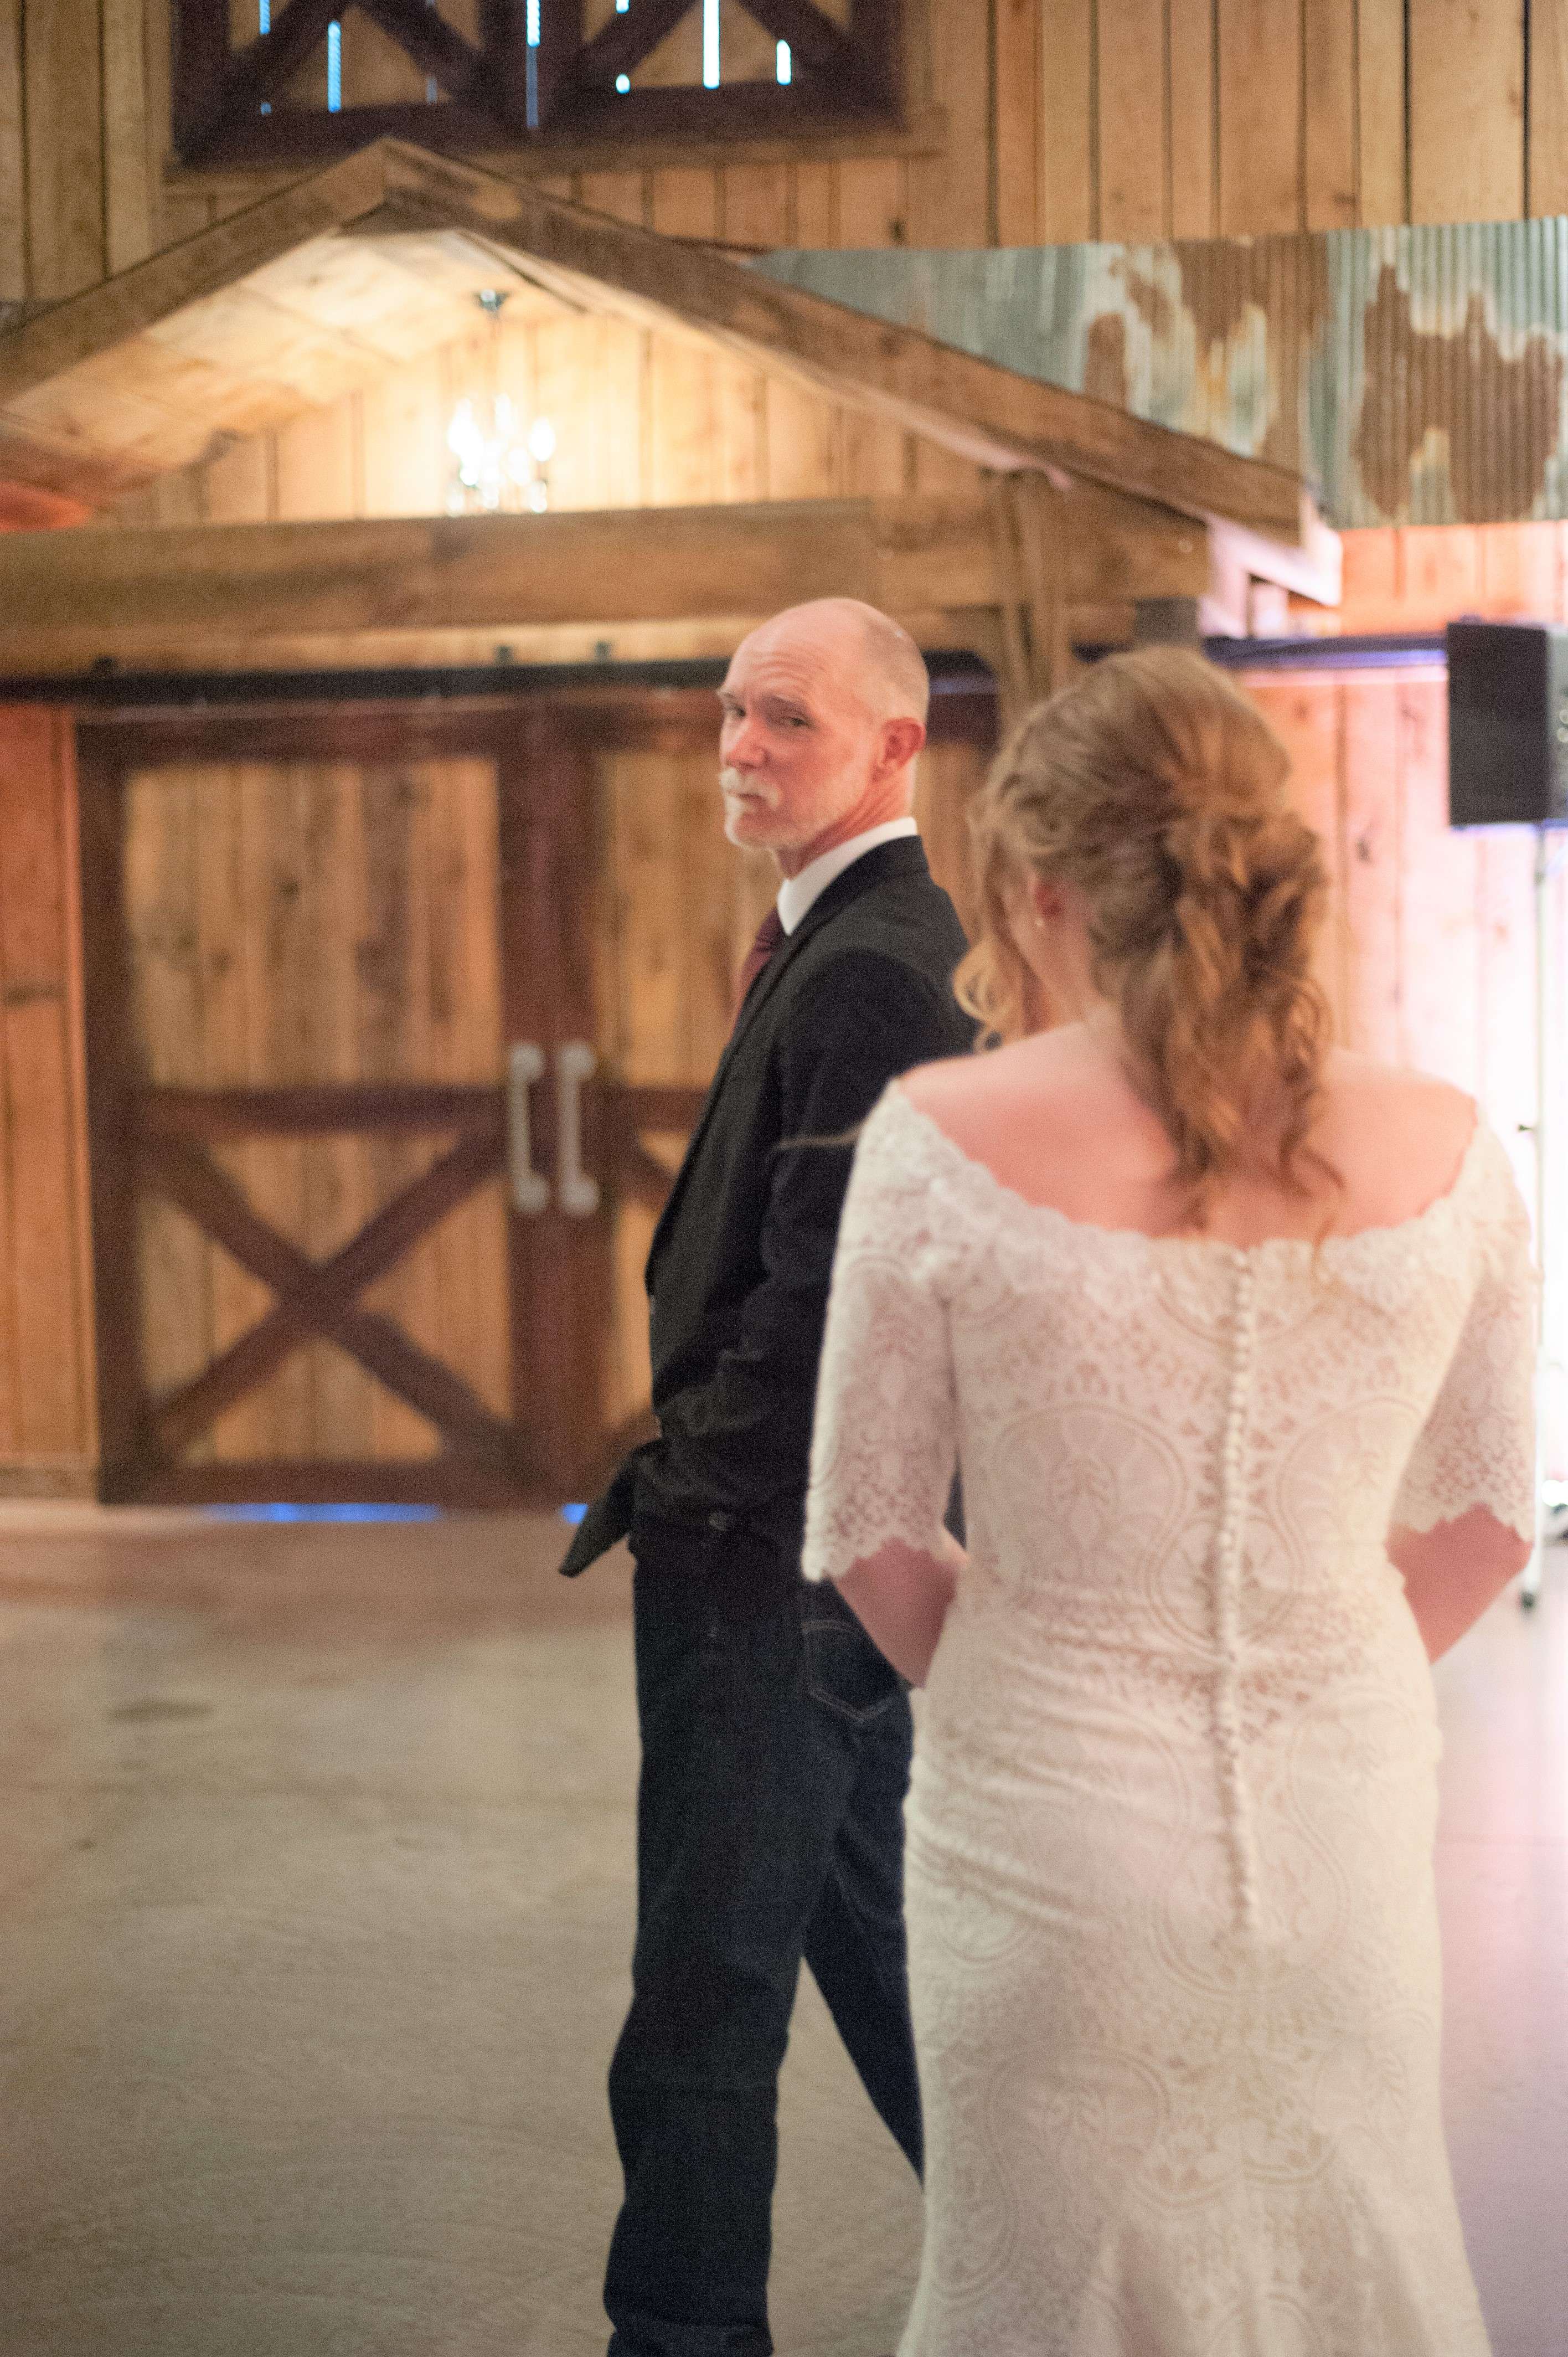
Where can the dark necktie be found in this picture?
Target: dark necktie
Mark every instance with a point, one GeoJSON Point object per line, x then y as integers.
{"type": "Point", "coordinates": [769, 933]}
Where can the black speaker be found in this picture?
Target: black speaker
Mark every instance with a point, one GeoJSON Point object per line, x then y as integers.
{"type": "Point", "coordinates": [1508, 724]}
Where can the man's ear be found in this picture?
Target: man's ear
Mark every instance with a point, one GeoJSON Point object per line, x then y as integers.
{"type": "Point", "coordinates": [901, 741]}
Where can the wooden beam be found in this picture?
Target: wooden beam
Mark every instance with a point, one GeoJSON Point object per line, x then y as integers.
{"type": "Point", "coordinates": [985, 413]}
{"type": "Point", "coordinates": [68, 333]}
{"type": "Point", "coordinates": [980, 412]}
{"type": "Point", "coordinates": [88, 594]}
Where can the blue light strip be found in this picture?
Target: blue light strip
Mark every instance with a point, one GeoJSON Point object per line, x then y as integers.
{"type": "Point", "coordinates": [334, 68]}
{"type": "Point", "coordinates": [710, 44]}
{"type": "Point", "coordinates": [785, 63]}
{"type": "Point", "coordinates": [274, 1511]}
{"type": "Point", "coordinates": [263, 15]}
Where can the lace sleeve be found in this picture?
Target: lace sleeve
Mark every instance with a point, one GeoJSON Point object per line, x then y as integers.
{"type": "Point", "coordinates": [884, 1442]}
{"type": "Point", "coordinates": [1478, 1445]}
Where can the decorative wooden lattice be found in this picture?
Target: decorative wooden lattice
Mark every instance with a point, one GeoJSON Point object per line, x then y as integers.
{"type": "Point", "coordinates": [321, 77]}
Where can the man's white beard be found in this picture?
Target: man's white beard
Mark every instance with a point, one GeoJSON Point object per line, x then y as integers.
{"type": "Point", "coordinates": [733, 785]}
{"type": "Point", "coordinates": [732, 781]}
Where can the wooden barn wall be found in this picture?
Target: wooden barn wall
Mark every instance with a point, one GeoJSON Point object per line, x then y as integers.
{"type": "Point", "coordinates": [46, 1425]}
{"type": "Point", "coordinates": [1067, 120]}
{"type": "Point", "coordinates": [294, 923]}
{"type": "Point", "coordinates": [1429, 952]}
{"type": "Point", "coordinates": [643, 420]}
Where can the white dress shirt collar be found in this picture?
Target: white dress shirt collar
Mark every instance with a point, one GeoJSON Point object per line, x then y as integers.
{"type": "Point", "coordinates": [797, 893]}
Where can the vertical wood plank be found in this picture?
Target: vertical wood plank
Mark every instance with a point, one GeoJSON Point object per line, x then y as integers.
{"type": "Point", "coordinates": [236, 1299]}
{"type": "Point", "coordinates": [405, 463]}
{"type": "Point", "coordinates": [805, 444]}
{"type": "Point", "coordinates": [1383, 130]}
{"type": "Point", "coordinates": [47, 1373]}
{"type": "Point", "coordinates": [1519, 568]}
{"type": "Point", "coordinates": [335, 1177]}
{"type": "Point", "coordinates": [1546, 103]}
{"type": "Point", "coordinates": [472, 1243]}
{"type": "Point", "coordinates": [754, 205]}
{"type": "Point", "coordinates": [709, 861]}
{"type": "Point", "coordinates": [237, 488]}
{"type": "Point", "coordinates": [580, 398]}
{"type": "Point", "coordinates": [129, 136]}
{"type": "Point", "coordinates": [395, 1044]}
{"type": "Point", "coordinates": [1069, 205]}
{"type": "Point", "coordinates": [1371, 581]}
{"type": "Point", "coordinates": [814, 205]}
{"type": "Point", "coordinates": [872, 201]}
{"type": "Point", "coordinates": [686, 441]}
{"type": "Point", "coordinates": [172, 214]}
{"type": "Point", "coordinates": [172, 1269]}
{"type": "Point", "coordinates": [13, 157]}
{"type": "Point", "coordinates": [876, 457]}
{"type": "Point", "coordinates": [1328, 160]}
{"type": "Point", "coordinates": [1372, 793]}
{"type": "Point", "coordinates": [1260, 116]}
{"type": "Point", "coordinates": [950, 195]}
{"type": "Point", "coordinates": [652, 916]}
{"type": "Point", "coordinates": [109, 1058]}
{"type": "Point", "coordinates": [65, 145]}
{"type": "Point", "coordinates": [1439, 948]}
{"type": "Point", "coordinates": [686, 202]}
{"type": "Point", "coordinates": [561, 1268]}
{"type": "Point", "coordinates": [1134, 158]}
{"type": "Point", "coordinates": [1466, 110]}
{"type": "Point", "coordinates": [949, 774]}
{"type": "Point", "coordinates": [1441, 573]}
{"type": "Point", "coordinates": [316, 464]}
{"type": "Point", "coordinates": [280, 983]}
{"type": "Point", "coordinates": [618, 379]}
{"type": "Point", "coordinates": [1505, 912]}
{"type": "Point", "coordinates": [1017, 131]}
{"type": "Point", "coordinates": [741, 400]}
{"type": "Point", "coordinates": [1191, 65]}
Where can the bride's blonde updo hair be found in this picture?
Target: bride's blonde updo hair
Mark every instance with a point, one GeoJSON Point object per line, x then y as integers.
{"type": "Point", "coordinates": [1157, 790]}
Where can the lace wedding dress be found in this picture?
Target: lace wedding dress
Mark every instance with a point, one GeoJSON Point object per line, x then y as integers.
{"type": "Point", "coordinates": [1173, 1942]}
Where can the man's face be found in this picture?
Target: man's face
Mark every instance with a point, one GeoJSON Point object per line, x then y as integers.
{"type": "Point", "coordinates": [799, 748]}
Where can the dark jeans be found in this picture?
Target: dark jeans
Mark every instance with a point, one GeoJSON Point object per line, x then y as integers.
{"type": "Point", "coordinates": [775, 1759]}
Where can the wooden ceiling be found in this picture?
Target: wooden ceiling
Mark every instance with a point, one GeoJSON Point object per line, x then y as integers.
{"type": "Point", "coordinates": [376, 260]}
{"type": "Point", "coordinates": [319, 321]}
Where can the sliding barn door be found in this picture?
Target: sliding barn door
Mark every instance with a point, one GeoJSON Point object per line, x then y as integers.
{"type": "Point", "coordinates": [681, 906]}
{"type": "Point", "coordinates": [339, 971]}
{"type": "Point", "coordinates": [397, 1027]}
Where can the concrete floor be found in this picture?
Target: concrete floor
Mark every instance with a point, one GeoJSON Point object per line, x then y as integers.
{"type": "Point", "coordinates": [315, 1911]}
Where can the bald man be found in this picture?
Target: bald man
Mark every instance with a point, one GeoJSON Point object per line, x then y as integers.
{"type": "Point", "coordinates": [775, 1737]}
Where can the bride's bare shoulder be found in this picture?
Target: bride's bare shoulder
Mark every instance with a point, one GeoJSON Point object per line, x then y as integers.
{"type": "Point", "coordinates": [1397, 1135]}
{"type": "Point", "coordinates": [1045, 1062]}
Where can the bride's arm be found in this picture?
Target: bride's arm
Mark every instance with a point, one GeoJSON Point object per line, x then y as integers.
{"type": "Point", "coordinates": [900, 1595]}
{"type": "Point", "coordinates": [1452, 1572]}
{"type": "Point", "coordinates": [1464, 1521]}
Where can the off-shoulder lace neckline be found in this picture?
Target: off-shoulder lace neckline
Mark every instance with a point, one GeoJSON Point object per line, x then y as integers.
{"type": "Point", "coordinates": [1021, 1207]}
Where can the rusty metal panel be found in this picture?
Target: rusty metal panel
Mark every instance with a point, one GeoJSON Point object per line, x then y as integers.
{"type": "Point", "coordinates": [1409, 375]}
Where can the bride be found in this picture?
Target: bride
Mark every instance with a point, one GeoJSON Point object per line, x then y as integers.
{"type": "Point", "coordinates": [1232, 1336]}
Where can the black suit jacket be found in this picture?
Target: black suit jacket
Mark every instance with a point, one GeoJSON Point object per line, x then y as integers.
{"type": "Point", "coordinates": [738, 1271]}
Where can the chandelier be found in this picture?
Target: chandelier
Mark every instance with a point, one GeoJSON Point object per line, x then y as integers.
{"type": "Point", "coordinates": [496, 466]}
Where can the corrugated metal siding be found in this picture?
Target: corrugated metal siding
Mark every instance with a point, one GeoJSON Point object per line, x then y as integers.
{"type": "Point", "coordinates": [1409, 375]}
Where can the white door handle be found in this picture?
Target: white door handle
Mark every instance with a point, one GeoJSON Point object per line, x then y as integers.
{"type": "Point", "coordinates": [577, 1194]}
{"type": "Point", "coordinates": [530, 1188]}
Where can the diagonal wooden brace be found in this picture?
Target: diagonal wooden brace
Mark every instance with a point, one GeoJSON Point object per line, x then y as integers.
{"type": "Point", "coordinates": [317, 1299]}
